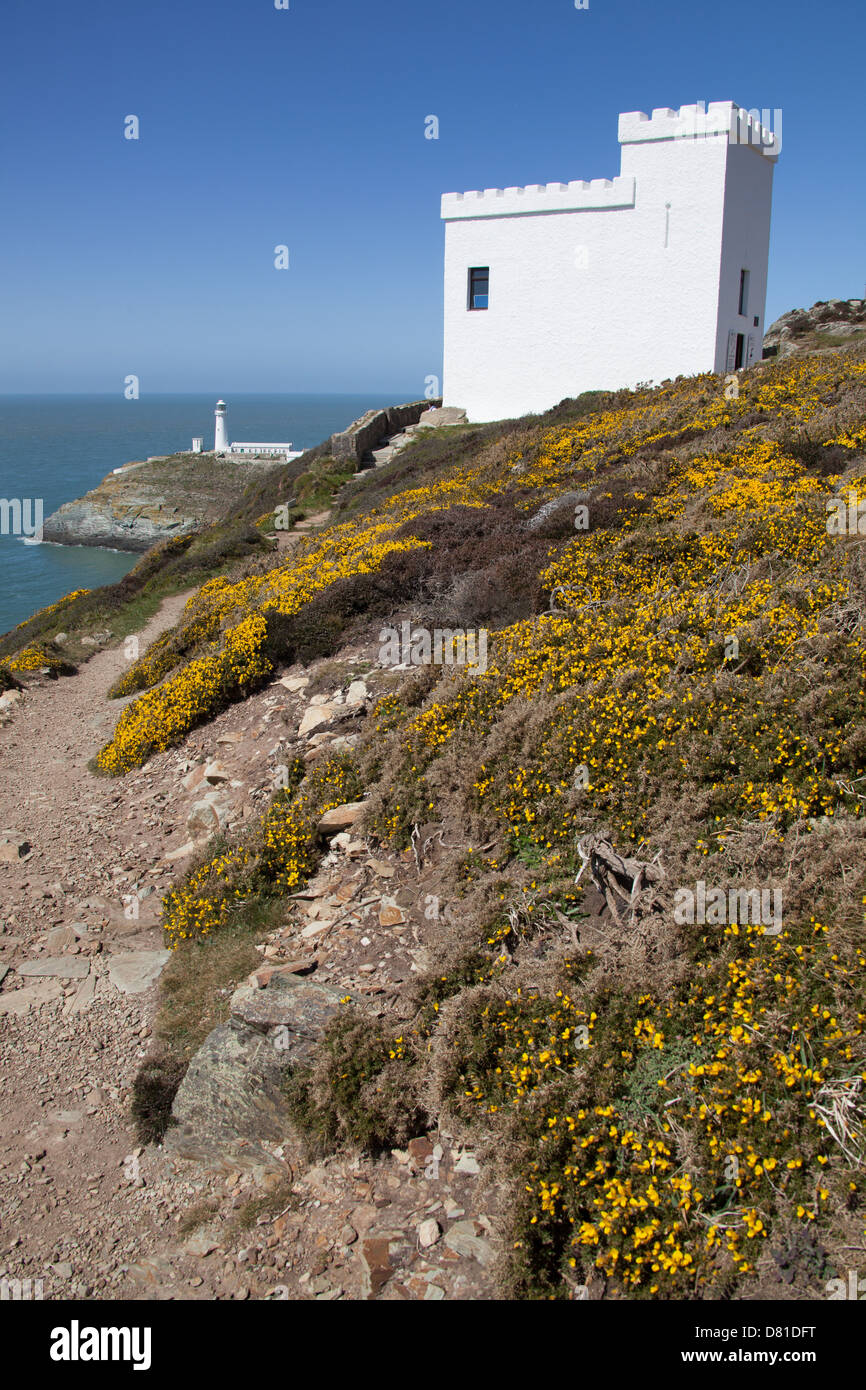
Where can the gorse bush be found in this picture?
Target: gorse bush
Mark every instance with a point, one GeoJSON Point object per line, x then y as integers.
{"type": "Point", "coordinates": [665, 1151]}
{"type": "Point", "coordinates": [204, 687]}
{"type": "Point", "coordinates": [239, 661]}
{"type": "Point", "coordinates": [276, 859]}
{"type": "Point", "coordinates": [684, 675]}
{"type": "Point", "coordinates": [39, 657]}
{"type": "Point", "coordinates": [357, 1091]}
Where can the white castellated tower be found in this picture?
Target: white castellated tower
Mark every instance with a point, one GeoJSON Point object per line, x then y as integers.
{"type": "Point", "coordinates": [220, 443]}
{"type": "Point", "coordinates": [560, 288]}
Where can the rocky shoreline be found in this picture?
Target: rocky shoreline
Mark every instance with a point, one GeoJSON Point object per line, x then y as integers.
{"type": "Point", "coordinates": [153, 501]}
{"type": "Point", "coordinates": [146, 502]}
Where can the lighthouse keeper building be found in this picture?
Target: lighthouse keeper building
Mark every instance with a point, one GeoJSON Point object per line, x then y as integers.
{"type": "Point", "coordinates": [559, 288]}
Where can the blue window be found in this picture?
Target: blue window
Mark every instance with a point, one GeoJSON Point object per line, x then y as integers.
{"type": "Point", "coordinates": [479, 282]}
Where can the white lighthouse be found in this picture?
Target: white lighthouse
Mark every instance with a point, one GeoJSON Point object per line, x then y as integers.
{"type": "Point", "coordinates": [220, 443]}
{"type": "Point", "coordinates": [262, 451]}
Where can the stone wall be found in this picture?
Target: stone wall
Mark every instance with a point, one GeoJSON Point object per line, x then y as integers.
{"type": "Point", "coordinates": [374, 426]}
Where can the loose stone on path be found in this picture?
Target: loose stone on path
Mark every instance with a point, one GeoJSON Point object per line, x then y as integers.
{"type": "Point", "coordinates": [135, 971]}
{"type": "Point", "coordinates": [18, 1002]}
{"type": "Point", "coordinates": [64, 967]}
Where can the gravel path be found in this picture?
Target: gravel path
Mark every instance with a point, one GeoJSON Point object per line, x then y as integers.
{"type": "Point", "coordinates": [84, 1212]}
{"type": "Point", "coordinates": [67, 1153]}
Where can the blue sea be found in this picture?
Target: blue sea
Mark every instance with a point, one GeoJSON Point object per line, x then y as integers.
{"type": "Point", "coordinates": [58, 447]}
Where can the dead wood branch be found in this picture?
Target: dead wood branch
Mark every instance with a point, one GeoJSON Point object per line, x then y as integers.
{"type": "Point", "coordinates": [615, 876]}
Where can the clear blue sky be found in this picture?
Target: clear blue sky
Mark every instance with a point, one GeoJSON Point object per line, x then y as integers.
{"type": "Point", "coordinates": [306, 127]}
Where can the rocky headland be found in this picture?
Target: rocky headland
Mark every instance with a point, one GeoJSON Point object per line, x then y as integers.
{"type": "Point", "coordinates": [829, 324]}
{"type": "Point", "coordinates": [159, 499]}
{"type": "Point", "coordinates": [156, 500]}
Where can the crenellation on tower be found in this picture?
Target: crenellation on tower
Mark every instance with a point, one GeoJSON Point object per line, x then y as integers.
{"type": "Point", "coordinates": [539, 197]}
{"type": "Point", "coordinates": [722, 118]}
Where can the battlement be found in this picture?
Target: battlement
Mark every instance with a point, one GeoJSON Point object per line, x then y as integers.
{"type": "Point", "coordinates": [720, 118]}
{"type": "Point", "coordinates": [577, 196]}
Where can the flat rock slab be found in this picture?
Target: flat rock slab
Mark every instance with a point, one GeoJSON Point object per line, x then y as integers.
{"type": "Point", "coordinates": [60, 939]}
{"type": "Point", "coordinates": [133, 972]}
{"type": "Point", "coordinates": [65, 1117]}
{"type": "Point", "coordinates": [21, 1000]}
{"type": "Point", "coordinates": [230, 1101]}
{"type": "Point", "coordinates": [63, 967]}
{"type": "Point", "coordinates": [463, 1239]}
{"type": "Point", "coordinates": [203, 1243]}
{"type": "Point", "coordinates": [295, 1011]}
{"type": "Point", "coordinates": [156, 1272]}
{"type": "Point", "coordinates": [122, 927]}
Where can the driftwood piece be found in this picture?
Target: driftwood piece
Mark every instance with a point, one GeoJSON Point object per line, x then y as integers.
{"type": "Point", "coordinates": [615, 876]}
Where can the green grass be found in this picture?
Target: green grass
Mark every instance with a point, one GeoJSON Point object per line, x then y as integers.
{"type": "Point", "coordinates": [195, 992]}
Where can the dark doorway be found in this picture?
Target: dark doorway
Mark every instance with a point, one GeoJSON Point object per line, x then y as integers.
{"type": "Point", "coordinates": [738, 358]}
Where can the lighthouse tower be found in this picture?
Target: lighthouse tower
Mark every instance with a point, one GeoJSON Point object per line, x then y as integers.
{"type": "Point", "coordinates": [220, 443]}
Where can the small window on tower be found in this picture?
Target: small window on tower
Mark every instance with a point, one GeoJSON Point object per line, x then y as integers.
{"type": "Point", "coordinates": [479, 280]}
{"type": "Point", "coordinates": [744, 291]}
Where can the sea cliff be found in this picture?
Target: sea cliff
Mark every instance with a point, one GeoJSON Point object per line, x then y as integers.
{"type": "Point", "coordinates": [155, 500]}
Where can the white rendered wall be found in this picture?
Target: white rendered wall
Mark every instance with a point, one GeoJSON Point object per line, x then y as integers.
{"type": "Point", "coordinates": [745, 245]}
{"type": "Point", "coordinates": [589, 296]}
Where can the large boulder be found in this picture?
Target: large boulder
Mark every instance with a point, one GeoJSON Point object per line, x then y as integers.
{"type": "Point", "coordinates": [341, 817]}
{"type": "Point", "coordinates": [207, 816]}
{"type": "Point", "coordinates": [230, 1106]}
{"type": "Point", "coordinates": [438, 416]}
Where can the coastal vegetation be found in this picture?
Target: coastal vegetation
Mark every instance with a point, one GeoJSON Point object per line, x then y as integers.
{"type": "Point", "coordinates": [676, 669]}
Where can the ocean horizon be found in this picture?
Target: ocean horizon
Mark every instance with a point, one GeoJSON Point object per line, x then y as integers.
{"type": "Point", "coordinates": [54, 448]}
